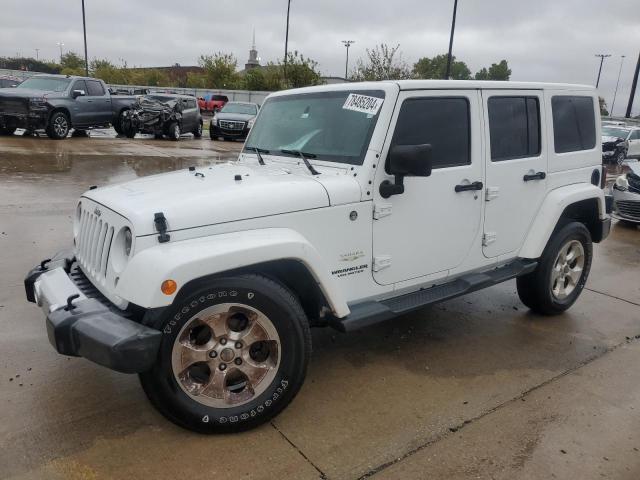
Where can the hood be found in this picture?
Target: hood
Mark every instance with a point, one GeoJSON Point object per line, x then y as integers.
{"type": "Point", "coordinates": [608, 139]}
{"type": "Point", "coordinates": [211, 195]}
{"type": "Point", "coordinates": [234, 116]}
{"type": "Point", "coordinates": [24, 93]}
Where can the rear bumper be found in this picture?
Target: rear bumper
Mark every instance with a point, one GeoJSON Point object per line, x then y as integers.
{"type": "Point", "coordinates": [85, 327]}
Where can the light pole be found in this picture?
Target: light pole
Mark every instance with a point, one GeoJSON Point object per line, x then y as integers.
{"type": "Point", "coordinates": [286, 42]}
{"type": "Point", "coordinates": [84, 29]}
{"type": "Point", "coordinates": [617, 83]}
{"type": "Point", "coordinates": [60, 44]}
{"type": "Point", "coordinates": [602, 57]}
{"type": "Point", "coordinates": [37, 53]}
{"type": "Point", "coordinates": [453, 28]}
{"type": "Point", "coordinates": [347, 43]}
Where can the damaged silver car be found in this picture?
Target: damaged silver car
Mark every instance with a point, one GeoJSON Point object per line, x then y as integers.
{"type": "Point", "coordinates": [626, 195]}
{"type": "Point", "coordinates": [163, 116]}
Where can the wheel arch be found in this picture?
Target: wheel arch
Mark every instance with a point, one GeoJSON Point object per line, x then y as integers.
{"type": "Point", "coordinates": [584, 203]}
{"type": "Point", "coordinates": [64, 110]}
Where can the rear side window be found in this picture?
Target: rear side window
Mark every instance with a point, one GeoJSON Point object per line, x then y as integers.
{"type": "Point", "coordinates": [441, 122]}
{"type": "Point", "coordinates": [574, 124]}
{"type": "Point", "coordinates": [95, 88]}
{"type": "Point", "coordinates": [514, 127]}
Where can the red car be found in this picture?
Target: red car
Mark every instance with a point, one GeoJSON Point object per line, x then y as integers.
{"type": "Point", "coordinates": [212, 103]}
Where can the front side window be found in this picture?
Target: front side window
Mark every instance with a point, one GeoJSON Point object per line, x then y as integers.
{"type": "Point", "coordinates": [321, 124]}
{"type": "Point", "coordinates": [441, 122]}
{"type": "Point", "coordinates": [574, 124]}
{"type": "Point", "coordinates": [514, 127]}
{"type": "Point", "coordinates": [80, 85]}
{"type": "Point", "coordinates": [635, 135]}
{"type": "Point", "coordinates": [94, 89]}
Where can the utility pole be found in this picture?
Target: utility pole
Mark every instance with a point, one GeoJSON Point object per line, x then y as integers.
{"type": "Point", "coordinates": [37, 53]}
{"type": "Point", "coordinates": [453, 28]}
{"type": "Point", "coordinates": [617, 83]}
{"type": "Point", "coordinates": [60, 44]}
{"type": "Point", "coordinates": [633, 88]}
{"type": "Point", "coordinates": [286, 42]}
{"type": "Point", "coordinates": [84, 29]}
{"type": "Point", "coordinates": [602, 57]}
{"type": "Point", "coordinates": [347, 43]}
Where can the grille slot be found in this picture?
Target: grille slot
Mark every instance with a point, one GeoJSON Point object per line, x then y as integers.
{"type": "Point", "coordinates": [231, 125]}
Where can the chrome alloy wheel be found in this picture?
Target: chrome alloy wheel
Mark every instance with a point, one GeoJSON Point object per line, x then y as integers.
{"type": "Point", "coordinates": [61, 126]}
{"type": "Point", "coordinates": [567, 269]}
{"type": "Point", "coordinates": [226, 355]}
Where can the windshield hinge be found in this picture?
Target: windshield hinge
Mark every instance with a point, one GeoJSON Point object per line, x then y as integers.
{"type": "Point", "coordinates": [161, 226]}
{"type": "Point", "coordinates": [381, 262]}
{"type": "Point", "coordinates": [381, 210]}
{"type": "Point", "coordinates": [488, 238]}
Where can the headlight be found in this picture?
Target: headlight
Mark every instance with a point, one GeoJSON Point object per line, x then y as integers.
{"type": "Point", "coordinates": [38, 102]}
{"type": "Point", "coordinates": [128, 240]}
{"type": "Point", "coordinates": [214, 121]}
{"type": "Point", "coordinates": [251, 122]}
{"type": "Point", "coordinates": [621, 144]}
{"type": "Point", "coordinates": [622, 183]}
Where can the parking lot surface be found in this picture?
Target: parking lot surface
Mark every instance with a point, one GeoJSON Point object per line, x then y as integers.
{"type": "Point", "coordinates": [477, 387]}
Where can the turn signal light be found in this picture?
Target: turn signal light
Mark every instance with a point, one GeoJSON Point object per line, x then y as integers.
{"type": "Point", "coordinates": [169, 287]}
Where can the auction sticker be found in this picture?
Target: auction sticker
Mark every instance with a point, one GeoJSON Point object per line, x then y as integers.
{"type": "Point", "coordinates": [363, 104]}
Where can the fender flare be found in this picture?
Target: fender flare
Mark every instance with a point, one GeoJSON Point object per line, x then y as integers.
{"type": "Point", "coordinates": [188, 260]}
{"type": "Point", "coordinates": [550, 212]}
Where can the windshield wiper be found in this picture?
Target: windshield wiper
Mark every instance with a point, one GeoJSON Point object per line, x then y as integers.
{"type": "Point", "coordinates": [303, 156]}
{"type": "Point", "coordinates": [259, 152]}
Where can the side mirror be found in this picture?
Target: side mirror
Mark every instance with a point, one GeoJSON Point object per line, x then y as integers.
{"type": "Point", "coordinates": [78, 93]}
{"type": "Point", "coordinates": [406, 160]}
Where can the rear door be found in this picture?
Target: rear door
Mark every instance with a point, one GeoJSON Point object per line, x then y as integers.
{"type": "Point", "coordinates": [516, 167]}
{"type": "Point", "coordinates": [100, 102]}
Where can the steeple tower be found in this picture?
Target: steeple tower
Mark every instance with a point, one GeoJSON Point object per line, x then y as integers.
{"type": "Point", "coordinates": [253, 61]}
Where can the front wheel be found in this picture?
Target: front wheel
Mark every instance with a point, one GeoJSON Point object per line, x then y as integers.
{"type": "Point", "coordinates": [173, 131]}
{"type": "Point", "coordinates": [562, 271]}
{"type": "Point", "coordinates": [197, 133]}
{"type": "Point", "coordinates": [234, 354]}
{"type": "Point", "coordinates": [58, 126]}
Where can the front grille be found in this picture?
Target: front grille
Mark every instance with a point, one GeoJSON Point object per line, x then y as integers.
{"type": "Point", "coordinates": [608, 147]}
{"type": "Point", "coordinates": [81, 281]}
{"type": "Point", "coordinates": [10, 106]}
{"type": "Point", "coordinates": [93, 244]}
{"type": "Point", "coordinates": [231, 125]}
{"type": "Point", "coordinates": [629, 208]}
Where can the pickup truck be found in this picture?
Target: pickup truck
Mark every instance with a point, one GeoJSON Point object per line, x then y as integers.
{"type": "Point", "coordinates": [58, 103]}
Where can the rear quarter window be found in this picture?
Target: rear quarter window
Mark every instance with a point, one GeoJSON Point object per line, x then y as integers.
{"type": "Point", "coordinates": [574, 124]}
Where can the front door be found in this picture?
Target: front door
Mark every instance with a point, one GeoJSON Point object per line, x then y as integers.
{"type": "Point", "coordinates": [432, 226]}
{"type": "Point", "coordinates": [634, 144]}
{"type": "Point", "coordinates": [516, 167]}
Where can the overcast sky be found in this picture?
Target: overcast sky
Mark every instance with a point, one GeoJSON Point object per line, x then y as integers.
{"type": "Point", "coordinates": [543, 40]}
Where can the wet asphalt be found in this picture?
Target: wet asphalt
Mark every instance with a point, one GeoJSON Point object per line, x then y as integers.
{"type": "Point", "coordinates": [477, 387]}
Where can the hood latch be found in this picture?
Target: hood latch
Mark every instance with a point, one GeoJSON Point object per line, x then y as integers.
{"type": "Point", "coordinates": [161, 226]}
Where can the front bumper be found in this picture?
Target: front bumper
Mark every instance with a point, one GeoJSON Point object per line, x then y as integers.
{"type": "Point", "coordinates": [80, 326]}
{"type": "Point", "coordinates": [626, 205]}
{"type": "Point", "coordinates": [223, 132]}
{"type": "Point", "coordinates": [29, 121]}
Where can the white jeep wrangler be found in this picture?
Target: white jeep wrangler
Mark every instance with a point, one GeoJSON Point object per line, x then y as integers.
{"type": "Point", "coordinates": [349, 205]}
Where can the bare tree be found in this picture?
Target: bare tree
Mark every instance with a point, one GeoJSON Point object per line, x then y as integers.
{"type": "Point", "coordinates": [382, 63]}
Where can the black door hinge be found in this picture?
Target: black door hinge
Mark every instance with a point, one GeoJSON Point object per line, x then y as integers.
{"type": "Point", "coordinates": [161, 227]}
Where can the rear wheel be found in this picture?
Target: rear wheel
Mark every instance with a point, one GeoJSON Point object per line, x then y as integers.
{"type": "Point", "coordinates": [58, 126]}
{"type": "Point", "coordinates": [562, 271]}
{"type": "Point", "coordinates": [233, 355]}
{"type": "Point", "coordinates": [197, 133]}
{"type": "Point", "coordinates": [117, 125]}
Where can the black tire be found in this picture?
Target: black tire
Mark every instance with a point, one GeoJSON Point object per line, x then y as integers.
{"type": "Point", "coordinates": [58, 126]}
{"type": "Point", "coordinates": [158, 136]}
{"type": "Point", "coordinates": [287, 317]}
{"type": "Point", "coordinates": [173, 131]}
{"type": "Point", "coordinates": [536, 288]}
{"type": "Point", "coordinates": [211, 134]}
{"type": "Point", "coordinates": [7, 130]}
{"type": "Point", "coordinates": [80, 133]}
{"type": "Point", "coordinates": [197, 133]}
{"type": "Point", "coordinates": [117, 124]}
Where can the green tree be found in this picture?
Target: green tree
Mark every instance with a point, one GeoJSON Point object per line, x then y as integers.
{"type": "Point", "coordinates": [482, 74]}
{"type": "Point", "coordinates": [220, 70]}
{"type": "Point", "coordinates": [382, 63]}
{"type": "Point", "coordinates": [255, 79]}
{"type": "Point", "coordinates": [72, 64]}
{"type": "Point", "coordinates": [436, 68]}
{"type": "Point", "coordinates": [499, 71]}
{"type": "Point", "coordinates": [301, 71]}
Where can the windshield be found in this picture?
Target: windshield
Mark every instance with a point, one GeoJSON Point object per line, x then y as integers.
{"type": "Point", "coordinates": [242, 108]}
{"type": "Point", "coordinates": [615, 132]}
{"type": "Point", "coordinates": [321, 124]}
{"type": "Point", "coordinates": [47, 84]}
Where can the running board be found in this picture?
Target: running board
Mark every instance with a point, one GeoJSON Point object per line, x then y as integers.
{"type": "Point", "coordinates": [372, 312]}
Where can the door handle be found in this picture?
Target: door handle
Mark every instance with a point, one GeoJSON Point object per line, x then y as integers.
{"type": "Point", "coordinates": [535, 176]}
{"type": "Point", "coordinates": [469, 187]}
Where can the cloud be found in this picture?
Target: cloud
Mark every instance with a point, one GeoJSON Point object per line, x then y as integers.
{"type": "Point", "coordinates": [545, 40]}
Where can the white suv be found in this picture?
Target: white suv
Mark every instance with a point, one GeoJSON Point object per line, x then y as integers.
{"type": "Point", "coordinates": [349, 205]}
